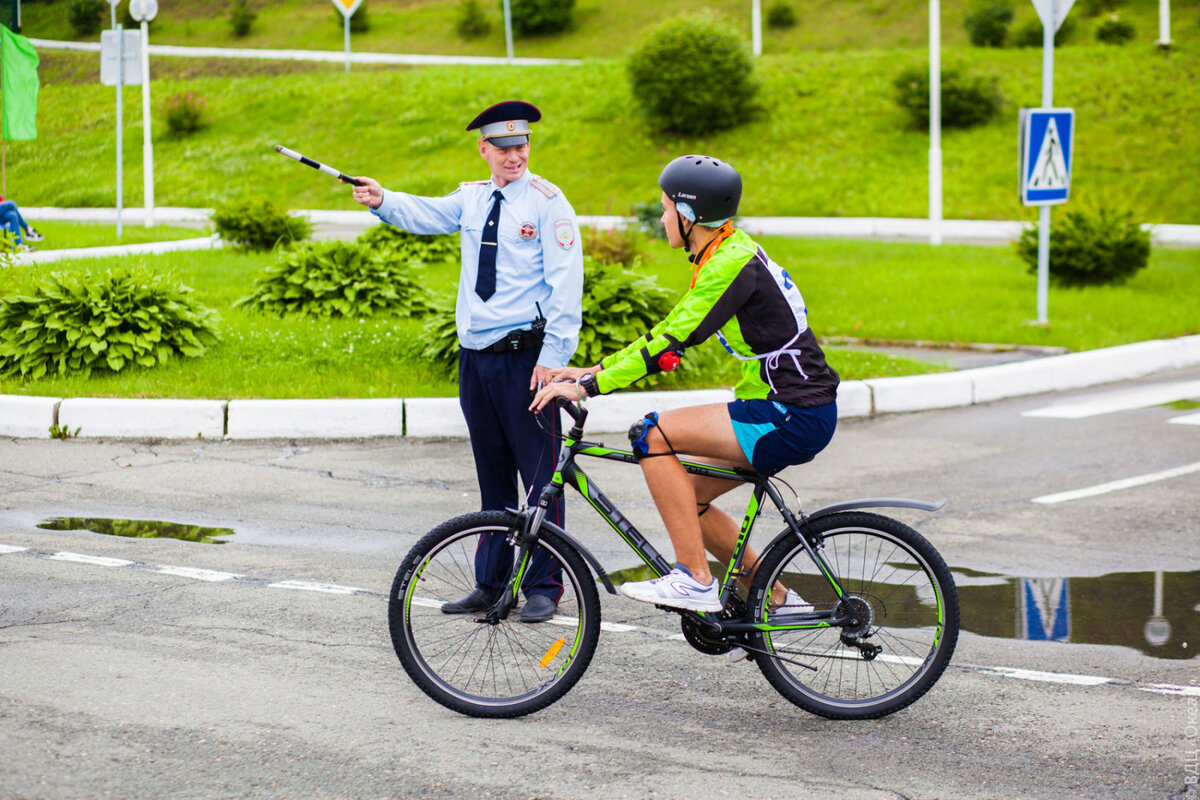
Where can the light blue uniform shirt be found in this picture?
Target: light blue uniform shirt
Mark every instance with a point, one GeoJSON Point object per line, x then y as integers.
{"type": "Point", "coordinates": [539, 259]}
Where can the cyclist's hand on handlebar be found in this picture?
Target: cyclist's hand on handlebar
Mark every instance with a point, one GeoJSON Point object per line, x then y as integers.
{"type": "Point", "coordinates": [571, 373]}
{"type": "Point", "coordinates": [562, 387]}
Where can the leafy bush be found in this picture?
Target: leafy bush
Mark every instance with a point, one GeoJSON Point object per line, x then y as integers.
{"type": "Point", "coordinates": [967, 99]}
{"type": "Point", "coordinates": [100, 321]}
{"type": "Point", "coordinates": [256, 224]}
{"type": "Point", "coordinates": [1114, 30]}
{"type": "Point", "coordinates": [693, 76]}
{"type": "Point", "coordinates": [1030, 34]}
{"type": "Point", "coordinates": [540, 17]}
{"type": "Point", "coordinates": [649, 218]}
{"type": "Point", "coordinates": [781, 16]}
{"type": "Point", "coordinates": [472, 23]}
{"type": "Point", "coordinates": [184, 113]}
{"type": "Point", "coordinates": [241, 17]}
{"type": "Point", "coordinates": [1090, 249]}
{"type": "Point", "coordinates": [335, 279]}
{"type": "Point", "coordinates": [1094, 8]}
{"type": "Point", "coordinates": [407, 246]}
{"type": "Point", "coordinates": [86, 16]}
{"type": "Point", "coordinates": [987, 23]}
{"type": "Point", "coordinates": [615, 246]}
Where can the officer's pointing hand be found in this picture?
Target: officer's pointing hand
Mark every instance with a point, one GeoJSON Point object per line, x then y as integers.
{"type": "Point", "coordinates": [370, 194]}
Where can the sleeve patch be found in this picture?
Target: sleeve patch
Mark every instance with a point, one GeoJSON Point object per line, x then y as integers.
{"type": "Point", "coordinates": [564, 233]}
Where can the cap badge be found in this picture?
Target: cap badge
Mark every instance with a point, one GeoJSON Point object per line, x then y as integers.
{"type": "Point", "coordinates": [512, 126]}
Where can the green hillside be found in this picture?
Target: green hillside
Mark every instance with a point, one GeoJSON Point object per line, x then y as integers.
{"type": "Point", "coordinates": [828, 141]}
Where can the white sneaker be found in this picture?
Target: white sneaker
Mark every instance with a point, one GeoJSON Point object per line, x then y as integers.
{"type": "Point", "coordinates": [792, 604]}
{"type": "Point", "coordinates": [676, 589]}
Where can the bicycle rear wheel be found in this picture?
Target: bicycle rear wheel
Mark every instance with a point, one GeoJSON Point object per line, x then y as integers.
{"type": "Point", "coordinates": [903, 592]}
{"type": "Point", "coordinates": [507, 669]}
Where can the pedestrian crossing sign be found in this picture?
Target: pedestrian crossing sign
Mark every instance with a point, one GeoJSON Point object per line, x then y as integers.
{"type": "Point", "coordinates": [1045, 155]}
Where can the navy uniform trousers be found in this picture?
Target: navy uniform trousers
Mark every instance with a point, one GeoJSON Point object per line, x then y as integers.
{"type": "Point", "coordinates": [493, 390]}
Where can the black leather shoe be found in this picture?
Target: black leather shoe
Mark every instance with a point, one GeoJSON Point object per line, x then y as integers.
{"type": "Point", "coordinates": [538, 608]}
{"type": "Point", "coordinates": [477, 600]}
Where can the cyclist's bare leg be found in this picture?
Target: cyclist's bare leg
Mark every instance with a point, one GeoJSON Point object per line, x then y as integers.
{"type": "Point", "coordinates": [720, 532]}
{"type": "Point", "coordinates": [701, 431]}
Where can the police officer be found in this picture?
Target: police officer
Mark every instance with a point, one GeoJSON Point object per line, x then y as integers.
{"type": "Point", "coordinates": [518, 315]}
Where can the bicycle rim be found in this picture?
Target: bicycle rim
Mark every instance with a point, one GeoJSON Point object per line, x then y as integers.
{"type": "Point", "coordinates": [900, 585]}
{"type": "Point", "coordinates": [476, 668]}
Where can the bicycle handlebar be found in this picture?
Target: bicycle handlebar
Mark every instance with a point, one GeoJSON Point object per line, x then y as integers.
{"type": "Point", "coordinates": [576, 412]}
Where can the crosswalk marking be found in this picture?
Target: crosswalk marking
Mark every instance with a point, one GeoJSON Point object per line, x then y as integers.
{"type": "Point", "coordinates": [1120, 400]}
{"type": "Point", "coordinates": [99, 561]}
{"type": "Point", "coordinates": [1186, 419]}
{"type": "Point", "coordinates": [1113, 486]}
{"type": "Point", "coordinates": [210, 575]}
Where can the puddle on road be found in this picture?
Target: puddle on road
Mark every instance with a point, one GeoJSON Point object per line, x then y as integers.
{"type": "Point", "coordinates": [1157, 613]}
{"type": "Point", "coordinates": [139, 529]}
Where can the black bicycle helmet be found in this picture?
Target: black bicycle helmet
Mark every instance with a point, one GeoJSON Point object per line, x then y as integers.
{"type": "Point", "coordinates": [710, 187]}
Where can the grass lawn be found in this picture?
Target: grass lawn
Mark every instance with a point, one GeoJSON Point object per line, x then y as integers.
{"type": "Point", "coordinates": [852, 288]}
{"type": "Point", "coordinates": [67, 235]}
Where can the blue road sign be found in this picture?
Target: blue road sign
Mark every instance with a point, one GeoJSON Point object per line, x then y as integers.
{"type": "Point", "coordinates": [1046, 150]}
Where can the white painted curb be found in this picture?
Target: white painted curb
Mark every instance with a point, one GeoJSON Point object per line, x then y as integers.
{"type": "Point", "coordinates": [434, 416]}
{"type": "Point", "coordinates": [148, 248]}
{"type": "Point", "coordinates": [614, 413]}
{"type": "Point", "coordinates": [27, 417]}
{"type": "Point", "coordinates": [166, 419]}
{"type": "Point", "coordinates": [331, 419]}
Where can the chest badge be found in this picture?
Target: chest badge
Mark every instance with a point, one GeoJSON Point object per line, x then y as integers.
{"type": "Point", "coordinates": [527, 231]}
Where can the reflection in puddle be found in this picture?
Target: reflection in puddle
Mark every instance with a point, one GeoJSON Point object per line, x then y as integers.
{"type": "Point", "coordinates": [138, 529]}
{"type": "Point", "coordinates": [1157, 613]}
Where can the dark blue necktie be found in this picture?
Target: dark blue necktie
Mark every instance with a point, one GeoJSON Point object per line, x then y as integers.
{"type": "Point", "coordinates": [485, 280]}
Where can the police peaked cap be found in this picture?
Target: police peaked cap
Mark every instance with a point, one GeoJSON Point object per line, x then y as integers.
{"type": "Point", "coordinates": [506, 124]}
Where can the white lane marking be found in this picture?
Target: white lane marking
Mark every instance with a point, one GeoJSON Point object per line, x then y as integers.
{"type": "Point", "coordinates": [99, 561]}
{"type": "Point", "coordinates": [1167, 688]}
{"type": "Point", "coordinates": [1120, 400]}
{"type": "Point", "coordinates": [1045, 677]}
{"type": "Point", "coordinates": [310, 586]}
{"type": "Point", "coordinates": [1113, 486]}
{"type": "Point", "coordinates": [1186, 419]}
{"type": "Point", "coordinates": [210, 575]}
{"type": "Point", "coordinates": [1064, 678]}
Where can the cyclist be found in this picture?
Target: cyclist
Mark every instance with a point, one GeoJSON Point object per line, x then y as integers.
{"type": "Point", "coordinates": [785, 409]}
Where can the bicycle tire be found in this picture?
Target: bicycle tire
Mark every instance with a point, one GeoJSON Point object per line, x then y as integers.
{"type": "Point", "coordinates": [893, 575]}
{"type": "Point", "coordinates": [482, 670]}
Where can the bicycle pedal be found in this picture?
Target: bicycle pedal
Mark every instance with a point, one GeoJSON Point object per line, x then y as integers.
{"type": "Point", "coordinates": [737, 654]}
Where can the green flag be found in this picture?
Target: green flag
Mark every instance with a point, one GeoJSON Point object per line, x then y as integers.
{"type": "Point", "coordinates": [18, 86]}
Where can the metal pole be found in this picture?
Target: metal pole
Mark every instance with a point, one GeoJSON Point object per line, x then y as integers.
{"type": "Point", "coordinates": [756, 26]}
{"type": "Point", "coordinates": [120, 118]}
{"type": "Point", "coordinates": [1164, 23]}
{"type": "Point", "coordinates": [935, 122]}
{"type": "Point", "coordinates": [147, 148]}
{"type": "Point", "coordinates": [346, 19]}
{"type": "Point", "coordinates": [1043, 275]}
{"type": "Point", "coordinates": [508, 39]}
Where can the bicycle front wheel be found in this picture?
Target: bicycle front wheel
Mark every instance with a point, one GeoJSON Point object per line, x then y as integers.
{"type": "Point", "coordinates": [462, 661]}
{"type": "Point", "coordinates": [898, 587]}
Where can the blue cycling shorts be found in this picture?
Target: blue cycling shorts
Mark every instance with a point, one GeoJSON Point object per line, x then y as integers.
{"type": "Point", "coordinates": [774, 435]}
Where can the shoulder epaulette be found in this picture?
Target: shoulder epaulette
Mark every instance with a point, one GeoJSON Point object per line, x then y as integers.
{"type": "Point", "coordinates": [544, 186]}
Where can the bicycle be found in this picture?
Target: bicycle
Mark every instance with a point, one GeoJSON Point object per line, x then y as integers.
{"type": "Point", "coordinates": [882, 628]}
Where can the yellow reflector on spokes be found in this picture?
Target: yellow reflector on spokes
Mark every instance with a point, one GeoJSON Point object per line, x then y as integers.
{"type": "Point", "coordinates": [552, 652]}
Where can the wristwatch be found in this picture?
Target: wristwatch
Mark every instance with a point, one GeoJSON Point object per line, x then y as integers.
{"type": "Point", "coordinates": [588, 384]}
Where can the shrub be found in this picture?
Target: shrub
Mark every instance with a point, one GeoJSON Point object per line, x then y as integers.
{"type": "Point", "coordinates": [100, 321]}
{"type": "Point", "coordinates": [1114, 30]}
{"type": "Point", "coordinates": [649, 218]}
{"type": "Point", "coordinates": [620, 246]}
{"type": "Point", "coordinates": [693, 76]}
{"type": "Point", "coordinates": [781, 16]}
{"type": "Point", "coordinates": [407, 246]}
{"type": "Point", "coordinates": [1094, 8]}
{"type": "Point", "coordinates": [184, 113]}
{"type": "Point", "coordinates": [335, 279]}
{"type": "Point", "coordinates": [987, 23]}
{"type": "Point", "coordinates": [967, 99]}
{"type": "Point", "coordinates": [86, 16]}
{"type": "Point", "coordinates": [1030, 34]}
{"type": "Point", "coordinates": [540, 17]}
{"type": "Point", "coordinates": [257, 224]}
{"type": "Point", "coordinates": [472, 23]}
{"type": "Point", "coordinates": [1090, 249]}
{"type": "Point", "coordinates": [241, 17]}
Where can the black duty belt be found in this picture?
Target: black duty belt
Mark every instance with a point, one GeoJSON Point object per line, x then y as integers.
{"type": "Point", "coordinates": [515, 342]}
